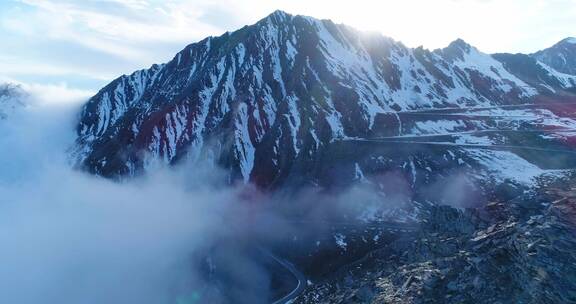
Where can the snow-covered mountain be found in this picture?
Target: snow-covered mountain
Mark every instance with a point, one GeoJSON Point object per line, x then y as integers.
{"type": "Point", "coordinates": [293, 102]}
{"type": "Point", "coordinates": [12, 98]}
{"type": "Point", "coordinates": [301, 101]}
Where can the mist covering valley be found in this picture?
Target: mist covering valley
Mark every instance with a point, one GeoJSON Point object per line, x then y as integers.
{"type": "Point", "coordinates": [71, 237]}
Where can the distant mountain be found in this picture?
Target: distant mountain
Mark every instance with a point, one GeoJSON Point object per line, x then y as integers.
{"type": "Point", "coordinates": [561, 56]}
{"type": "Point", "coordinates": [12, 98]}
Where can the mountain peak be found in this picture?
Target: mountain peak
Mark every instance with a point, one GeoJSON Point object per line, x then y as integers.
{"type": "Point", "coordinates": [278, 15]}
{"type": "Point", "coordinates": [460, 44]}
{"type": "Point", "coordinates": [457, 49]}
{"type": "Point", "coordinates": [569, 40]}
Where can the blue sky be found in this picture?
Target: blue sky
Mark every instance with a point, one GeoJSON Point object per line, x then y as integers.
{"type": "Point", "coordinates": [80, 45]}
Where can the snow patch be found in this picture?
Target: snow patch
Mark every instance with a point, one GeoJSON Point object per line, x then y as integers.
{"type": "Point", "coordinates": [468, 139]}
{"type": "Point", "coordinates": [243, 144]}
{"type": "Point", "coordinates": [487, 65]}
{"type": "Point", "coordinates": [566, 80]}
{"type": "Point", "coordinates": [437, 127]}
{"type": "Point", "coordinates": [503, 165]}
{"type": "Point", "coordinates": [341, 241]}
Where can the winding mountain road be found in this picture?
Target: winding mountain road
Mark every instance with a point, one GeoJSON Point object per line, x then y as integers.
{"type": "Point", "coordinates": [299, 277]}
{"type": "Point", "coordinates": [479, 108]}
{"type": "Point", "coordinates": [475, 132]}
{"type": "Point", "coordinates": [475, 146]}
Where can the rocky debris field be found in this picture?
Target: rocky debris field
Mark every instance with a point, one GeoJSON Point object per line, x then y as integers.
{"type": "Point", "coordinates": [514, 251]}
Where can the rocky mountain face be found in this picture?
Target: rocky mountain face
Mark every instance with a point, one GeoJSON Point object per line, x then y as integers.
{"type": "Point", "coordinates": [11, 99]}
{"type": "Point", "coordinates": [293, 100]}
{"type": "Point", "coordinates": [473, 151]}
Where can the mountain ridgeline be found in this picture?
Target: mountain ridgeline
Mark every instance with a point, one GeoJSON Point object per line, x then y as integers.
{"type": "Point", "coordinates": [293, 100]}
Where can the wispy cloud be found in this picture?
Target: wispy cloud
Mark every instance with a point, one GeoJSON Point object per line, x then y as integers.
{"type": "Point", "coordinates": [107, 38]}
{"type": "Point", "coordinates": [101, 39]}
{"type": "Point", "coordinates": [121, 28]}
{"type": "Point", "coordinates": [45, 94]}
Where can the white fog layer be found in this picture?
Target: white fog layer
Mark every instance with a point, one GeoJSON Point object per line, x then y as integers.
{"type": "Point", "coordinates": [67, 237]}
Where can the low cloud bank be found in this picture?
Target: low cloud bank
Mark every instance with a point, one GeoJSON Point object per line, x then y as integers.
{"type": "Point", "coordinates": [67, 237]}
{"type": "Point", "coordinates": [174, 236]}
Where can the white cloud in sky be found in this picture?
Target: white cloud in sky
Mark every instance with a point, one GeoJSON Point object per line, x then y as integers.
{"type": "Point", "coordinates": [47, 94]}
{"type": "Point", "coordinates": [119, 28]}
{"type": "Point", "coordinates": [58, 93]}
